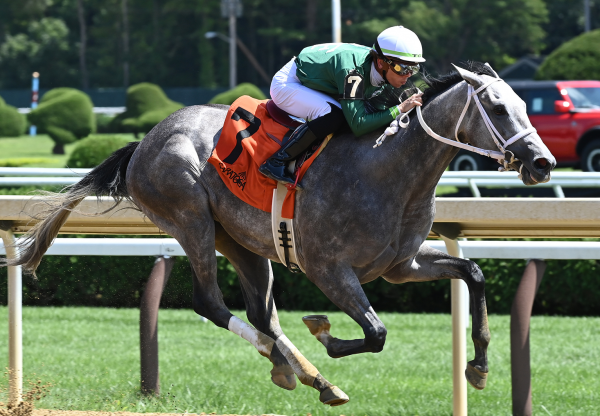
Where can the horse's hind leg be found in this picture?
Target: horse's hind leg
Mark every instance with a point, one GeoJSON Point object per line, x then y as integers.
{"type": "Point", "coordinates": [256, 278]}
{"type": "Point", "coordinates": [430, 264]}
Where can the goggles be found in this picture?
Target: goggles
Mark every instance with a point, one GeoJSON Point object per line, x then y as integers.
{"type": "Point", "coordinates": [402, 69]}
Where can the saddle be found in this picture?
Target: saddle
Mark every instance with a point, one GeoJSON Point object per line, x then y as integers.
{"type": "Point", "coordinates": [282, 117]}
{"type": "Point", "coordinates": [254, 130]}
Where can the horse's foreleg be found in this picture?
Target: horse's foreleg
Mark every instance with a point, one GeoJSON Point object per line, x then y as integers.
{"type": "Point", "coordinates": [430, 264]}
{"type": "Point", "coordinates": [343, 288]}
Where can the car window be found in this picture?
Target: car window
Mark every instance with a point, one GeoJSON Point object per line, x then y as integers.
{"type": "Point", "coordinates": [584, 97]}
{"type": "Point", "coordinates": [541, 101]}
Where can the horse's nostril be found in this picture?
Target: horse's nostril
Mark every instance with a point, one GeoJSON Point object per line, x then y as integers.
{"type": "Point", "coordinates": [541, 163]}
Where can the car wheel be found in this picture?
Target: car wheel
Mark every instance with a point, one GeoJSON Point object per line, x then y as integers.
{"type": "Point", "coordinates": [590, 157]}
{"type": "Point", "coordinates": [466, 161]}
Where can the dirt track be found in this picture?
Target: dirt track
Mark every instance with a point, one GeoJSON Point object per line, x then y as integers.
{"type": "Point", "coordinates": [42, 412]}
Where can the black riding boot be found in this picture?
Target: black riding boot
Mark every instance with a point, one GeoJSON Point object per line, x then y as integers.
{"type": "Point", "coordinates": [301, 139]}
{"type": "Point", "coordinates": [275, 167]}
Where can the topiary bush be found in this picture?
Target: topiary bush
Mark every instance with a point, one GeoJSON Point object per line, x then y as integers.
{"type": "Point", "coordinates": [575, 59]}
{"type": "Point", "coordinates": [12, 123]}
{"type": "Point", "coordinates": [66, 115]}
{"type": "Point", "coordinates": [228, 97]}
{"type": "Point", "coordinates": [92, 151]}
{"type": "Point", "coordinates": [104, 124]}
{"type": "Point", "coordinates": [147, 105]}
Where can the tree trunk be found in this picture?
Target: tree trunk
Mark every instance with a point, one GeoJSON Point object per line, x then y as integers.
{"type": "Point", "coordinates": [125, 27]}
{"type": "Point", "coordinates": [82, 45]}
{"type": "Point", "coordinates": [58, 149]}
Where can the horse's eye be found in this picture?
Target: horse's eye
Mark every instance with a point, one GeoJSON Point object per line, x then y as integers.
{"type": "Point", "coordinates": [499, 110]}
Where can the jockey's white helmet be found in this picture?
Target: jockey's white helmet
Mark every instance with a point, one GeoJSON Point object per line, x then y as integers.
{"type": "Point", "coordinates": [400, 43]}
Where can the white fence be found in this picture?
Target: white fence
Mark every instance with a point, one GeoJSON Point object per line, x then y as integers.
{"type": "Point", "coordinates": [557, 250]}
{"type": "Point", "coordinates": [470, 179]}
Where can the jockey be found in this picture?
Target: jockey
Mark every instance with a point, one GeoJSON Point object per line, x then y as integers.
{"type": "Point", "coordinates": [328, 83]}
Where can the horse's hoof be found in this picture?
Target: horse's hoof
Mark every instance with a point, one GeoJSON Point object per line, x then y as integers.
{"type": "Point", "coordinates": [317, 324]}
{"type": "Point", "coordinates": [284, 377]}
{"type": "Point", "coordinates": [475, 377]}
{"type": "Point", "coordinates": [333, 396]}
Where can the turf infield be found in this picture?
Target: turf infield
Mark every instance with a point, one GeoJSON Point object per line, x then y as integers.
{"type": "Point", "coordinates": [91, 356]}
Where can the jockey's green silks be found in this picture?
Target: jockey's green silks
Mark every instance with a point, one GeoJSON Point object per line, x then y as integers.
{"type": "Point", "coordinates": [326, 68]}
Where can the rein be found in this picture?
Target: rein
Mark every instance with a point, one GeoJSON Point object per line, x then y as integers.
{"type": "Point", "coordinates": [404, 120]}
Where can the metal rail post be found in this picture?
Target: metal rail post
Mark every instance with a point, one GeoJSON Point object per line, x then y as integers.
{"type": "Point", "coordinates": [460, 317]}
{"type": "Point", "coordinates": [150, 303]}
{"type": "Point", "coordinates": [15, 318]}
{"type": "Point", "coordinates": [520, 316]}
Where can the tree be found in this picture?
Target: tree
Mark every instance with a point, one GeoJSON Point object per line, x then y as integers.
{"type": "Point", "coordinates": [43, 48]}
{"type": "Point", "coordinates": [497, 32]}
{"type": "Point", "coordinates": [575, 59]}
{"type": "Point", "coordinates": [566, 20]}
{"type": "Point", "coordinates": [82, 45]}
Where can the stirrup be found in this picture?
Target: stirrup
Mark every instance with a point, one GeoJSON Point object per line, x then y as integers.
{"type": "Point", "coordinates": [266, 170]}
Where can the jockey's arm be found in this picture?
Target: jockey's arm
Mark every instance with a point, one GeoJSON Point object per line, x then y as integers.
{"type": "Point", "coordinates": [360, 122]}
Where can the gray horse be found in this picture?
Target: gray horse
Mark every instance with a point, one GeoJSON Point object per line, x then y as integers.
{"type": "Point", "coordinates": [364, 212]}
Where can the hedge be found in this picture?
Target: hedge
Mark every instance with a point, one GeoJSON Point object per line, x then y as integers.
{"type": "Point", "coordinates": [12, 123]}
{"type": "Point", "coordinates": [568, 288]}
{"type": "Point", "coordinates": [228, 97]}
{"type": "Point", "coordinates": [576, 59]}
{"type": "Point", "coordinates": [147, 105]}
{"type": "Point", "coordinates": [66, 115]}
{"type": "Point", "coordinates": [92, 151]}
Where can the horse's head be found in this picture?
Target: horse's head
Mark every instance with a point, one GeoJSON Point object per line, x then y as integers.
{"type": "Point", "coordinates": [507, 114]}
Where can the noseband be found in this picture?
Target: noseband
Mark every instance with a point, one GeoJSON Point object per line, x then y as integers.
{"type": "Point", "coordinates": [496, 136]}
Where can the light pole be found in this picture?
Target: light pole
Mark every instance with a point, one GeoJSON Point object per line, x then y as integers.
{"type": "Point", "coordinates": [245, 50]}
{"type": "Point", "coordinates": [336, 21]}
{"type": "Point", "coordinates": [232, 9]}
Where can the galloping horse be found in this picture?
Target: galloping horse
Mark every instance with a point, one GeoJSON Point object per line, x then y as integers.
{"type": "Point", "coordinates": [364, 212]}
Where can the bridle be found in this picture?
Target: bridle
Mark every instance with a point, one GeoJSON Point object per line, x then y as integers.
{"type": "Point", "coordinates": [502, 144]}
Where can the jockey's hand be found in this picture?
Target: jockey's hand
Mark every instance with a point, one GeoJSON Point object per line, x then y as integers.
{"type": "Point", "coordinates": [411, 102]}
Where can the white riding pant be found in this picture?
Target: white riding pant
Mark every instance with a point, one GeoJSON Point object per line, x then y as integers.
{"type": "Point", "coordinates": [296, 99]}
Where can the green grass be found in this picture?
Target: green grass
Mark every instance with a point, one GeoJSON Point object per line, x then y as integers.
{"type": "Point", "coordinates": [92, 358]}
{"type": "Point", "coordinates": [34, 151]}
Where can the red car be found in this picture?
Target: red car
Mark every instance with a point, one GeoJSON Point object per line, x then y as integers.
{"type": "Point", "coordinates": [566, 115]}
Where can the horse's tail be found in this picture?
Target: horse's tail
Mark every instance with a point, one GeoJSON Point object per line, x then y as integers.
{"type": "Point", "coordinates": [107, 179]}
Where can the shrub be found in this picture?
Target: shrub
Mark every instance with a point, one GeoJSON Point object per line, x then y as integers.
{"type": "Point", "coordinates": [147, 105]}
{"type": "Point", "coordinates": [228, 97]}
{"type": "Point", "coordinates": [568, 288]}
{"type": "Point", "coordinates": [104, 124]}
{"type": "Point", "coordinates": [18, 162]}
{"type": "Point", "coordinates": [92, 151]}
{"type": "Point", "coordinates": [575, 59]}
{"type": "Point", "coordinates": [12, 124]}
{"type": "Point", "coordinates": [66, 114]}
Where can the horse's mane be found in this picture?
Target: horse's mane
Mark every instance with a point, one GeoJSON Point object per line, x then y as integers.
{"type": "Point", "coordinates": [437, 85]}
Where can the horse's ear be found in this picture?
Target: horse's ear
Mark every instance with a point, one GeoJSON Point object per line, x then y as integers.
{"type": "Point", "coordinates": [492, 69]}
{"type": "Point", "coordinates": [471, 77]}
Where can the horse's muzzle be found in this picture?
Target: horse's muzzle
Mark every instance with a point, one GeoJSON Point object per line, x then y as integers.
{"type": "Point", "coordinates": [538, 171]}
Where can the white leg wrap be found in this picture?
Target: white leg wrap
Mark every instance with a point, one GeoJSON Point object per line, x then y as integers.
{"type": "Point", "coordinates": [305, 371]}
{"type": "Point", "coordinates": [262, 342]}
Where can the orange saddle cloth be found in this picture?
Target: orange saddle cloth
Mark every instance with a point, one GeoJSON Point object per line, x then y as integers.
{"type": "Point", "coordinates": [249, 137]}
